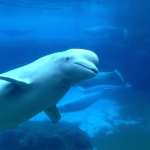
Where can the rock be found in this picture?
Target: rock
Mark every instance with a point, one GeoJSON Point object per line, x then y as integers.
{"type": "Point", "coordinates": [44, 135]}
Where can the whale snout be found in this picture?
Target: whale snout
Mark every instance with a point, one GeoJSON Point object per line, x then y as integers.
{"type": "Point", "coordinates": [88, 60]}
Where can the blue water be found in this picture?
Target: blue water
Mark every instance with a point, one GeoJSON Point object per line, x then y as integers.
{"type": "Point", "coordinates": [32, 29]}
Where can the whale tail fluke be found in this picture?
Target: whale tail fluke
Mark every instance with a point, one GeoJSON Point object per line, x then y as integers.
{"type": "Point", "coordinates": [120, 76]}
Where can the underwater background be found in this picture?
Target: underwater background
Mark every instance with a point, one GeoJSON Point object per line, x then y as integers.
{"type": "Point", "coordinates": [119, 33]}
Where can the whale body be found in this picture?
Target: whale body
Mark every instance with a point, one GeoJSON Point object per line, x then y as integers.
{"type": "Point", "coordinates": [81, 103]}
{"type": "Point", "coordinates": [102, 78]}
{"type": "Point", "coordinates": [38, 86]}
{"type": "Point", "coordinates": [106, 31]}
{"type": "Point", "coordinates": [106, 86]}
{"type": "Point", "coordinates": [17, 32]}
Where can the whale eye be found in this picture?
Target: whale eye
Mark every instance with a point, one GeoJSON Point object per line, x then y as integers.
{"type": "Point", "coordinates": [67, 58]}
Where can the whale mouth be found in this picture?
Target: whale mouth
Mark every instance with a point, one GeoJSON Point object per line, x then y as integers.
{"type": "Point", "coordinates": [94, 70]}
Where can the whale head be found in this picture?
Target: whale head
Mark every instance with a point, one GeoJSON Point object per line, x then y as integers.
{"type": "Point", "coordinates": [77, 65]}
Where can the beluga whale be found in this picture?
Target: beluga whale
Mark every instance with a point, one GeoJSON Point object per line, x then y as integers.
{"type": "Point", "coordinates": [81, 103]}
{"type": "Point", "coordinates": [14, 33]}
{"type": "Point", "coordinates": [102, 78]}
{"type": "Point", "coordinates": [38, 86]}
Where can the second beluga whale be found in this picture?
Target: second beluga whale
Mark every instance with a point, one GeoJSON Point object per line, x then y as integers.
{"type": "Point", "coordinates": [102, 78]}
{"type": "Point", "coordinates": [81, 103]}
{"type": "Point", "coordinates": [106, 31]}
{"type": "Point", "coordinates": [107, 35]}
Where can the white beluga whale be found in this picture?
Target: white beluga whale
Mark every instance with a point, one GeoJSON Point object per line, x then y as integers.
{"type": "Point", "coordinates": [109, 35]}
{"type": "Point", "coordinates": [106, 86]}
{"type": "Point", "coordinates": [106, 31]}
{"type": "Point", "coordinates": [38, 86]}
{"type": "Point", "coordinates": [81, 103]}
{"type": "Point", "coordinates": [17, 32]}
{"type": "Point", "coordinates": [102, 78]}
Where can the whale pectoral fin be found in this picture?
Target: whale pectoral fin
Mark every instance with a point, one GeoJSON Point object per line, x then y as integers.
{"type": "Point", "coordinates": [18, 82]}
{"type": "Point", "coordinates": [80, 87]}
{"type": "Point", "coordinates": [53, 114]}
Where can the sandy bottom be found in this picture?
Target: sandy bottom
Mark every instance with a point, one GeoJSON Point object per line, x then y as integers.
{"type": "Point", "coordinates": [103, 114]}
